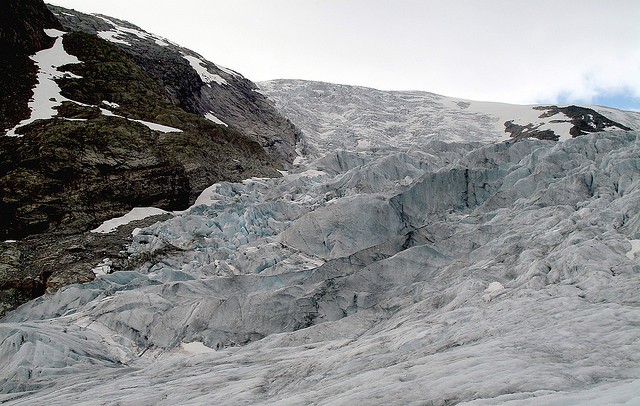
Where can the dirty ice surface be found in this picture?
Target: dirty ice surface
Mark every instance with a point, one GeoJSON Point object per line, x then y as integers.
{"type": "Point", "coordinates": [480, 274]}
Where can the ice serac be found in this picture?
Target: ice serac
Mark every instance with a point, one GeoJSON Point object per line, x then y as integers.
{"type": "Point", "coordinates": [458, 273]}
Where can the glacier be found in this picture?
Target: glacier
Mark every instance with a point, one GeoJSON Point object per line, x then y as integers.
{"type": "Point", "coordinates": [453, 273]}
{"type": "Point", "coordinates": [336, 116]}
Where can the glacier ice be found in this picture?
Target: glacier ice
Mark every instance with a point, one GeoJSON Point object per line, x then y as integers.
{"type": "Point", "coordinates": [451, 273]}
{"type": "Point", "coordinates": [358, 118]}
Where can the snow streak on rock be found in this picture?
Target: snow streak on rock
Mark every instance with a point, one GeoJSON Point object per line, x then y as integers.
{"type": "Point", "coordinates": [137, 213]}
{"type": "Point", "coordinates": [452, 273]}
{"type": "Point", "coordinates": [207, 77]}
{"type": "Point", "coordinates": [118, 34]}
{"type": "Point", "coordinates": [46, 94]}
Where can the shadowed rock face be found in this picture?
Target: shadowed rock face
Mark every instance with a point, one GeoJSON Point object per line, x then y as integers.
{"type": "Point", "coordinates": [22, 23]}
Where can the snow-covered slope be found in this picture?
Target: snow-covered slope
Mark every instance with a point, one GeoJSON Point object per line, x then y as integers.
{"type": "Point", "coordinates": [340, 116]}
{"type": "Point", "coordinates": [461, 273]}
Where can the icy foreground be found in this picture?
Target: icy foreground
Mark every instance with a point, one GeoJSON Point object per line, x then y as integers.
{"type": "Point", "coordinates": [454, 273]}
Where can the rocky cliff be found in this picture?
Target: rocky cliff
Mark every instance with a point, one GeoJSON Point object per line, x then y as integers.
{"type": "Point", "coordinates": [22, 25]}
{"type": "Point", "coordinates": [194, 84]}
{"type": "Point", "coordinates": [101, 117]}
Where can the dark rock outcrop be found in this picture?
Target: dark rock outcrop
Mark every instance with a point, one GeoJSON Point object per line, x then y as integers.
{"type": "Point", "coordinates": [72, 175]}
{"type": "Point", "coordinates": [22, 24]}
{"type": "Point", "coordinates": [46, 262]}
{"type": "Point", "coordinates": [521, 132]}
{"type": "Point", "coordinates": [583, 120]}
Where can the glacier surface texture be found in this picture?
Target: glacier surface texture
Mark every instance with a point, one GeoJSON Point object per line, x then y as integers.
{"type": "Point", "coordinates": [453, 273]}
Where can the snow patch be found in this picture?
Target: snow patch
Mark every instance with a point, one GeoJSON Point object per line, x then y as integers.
{"type": "Point", "coordinates": [206, 76]}
{"type": "Point", "coordinates": [108, 113]}
{"type": "Point", "coordinates": [209, 116]}
{"type": "Point", "coordinates": [162, 43]}
{"type": "Point", "coordinates": [207, 196]}
{"type": "Point", "coordinates": [253, 180]}
{"type": "Point", "coordinates": [103, 268]}
{"type": "Point", "coordinates": [46, 93]}
{"type": "Point", "coordinates": [150, 125]}
{"type": "Point", "coordinates": [137, 213]}
{"type": "Point", "coordinates": [159, 127]}
{"type": "Point", "coordinates": [195, 348]}
{"type": "Point", "coordinates": [112, 36]}
{"type": "Point", "coordinates": [111, 104]}
{"type": "Point", "coordinates": [635, 248]}
{"type": "Point", "coordinates": [119, 32]}
{"type": "Point", "coordinates": [492, 291]}
{"type": "Point", "coordinates": [229, 71]}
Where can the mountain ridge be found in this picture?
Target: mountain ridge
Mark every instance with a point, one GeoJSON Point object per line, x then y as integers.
{"type": "Point", "coordinates": [199, 86]}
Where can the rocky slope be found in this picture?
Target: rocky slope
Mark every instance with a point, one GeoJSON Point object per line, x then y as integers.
{"type": "Point", "coordinates": [194, 84]}
{"type": "Point", "coordinates": [96, 125]}
{"type": "Point", "coordinates": [452, 274]}
{"type": "Point", "coordinates": [352, 117]}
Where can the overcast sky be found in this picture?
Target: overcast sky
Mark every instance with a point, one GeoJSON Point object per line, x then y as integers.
{"type": "Point", "coordinates": [517, 51]}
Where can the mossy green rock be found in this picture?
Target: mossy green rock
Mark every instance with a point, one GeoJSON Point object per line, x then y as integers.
{"type": "Point", "coordinates": [97, 159]}
{"type": "Point", "coordinates": [72, 175]}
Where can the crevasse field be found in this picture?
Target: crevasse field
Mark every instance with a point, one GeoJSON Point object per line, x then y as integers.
{"type": "Point", "coordinates": [463, 273]}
